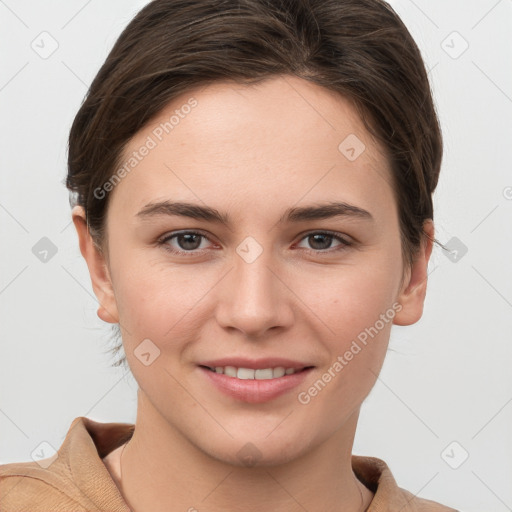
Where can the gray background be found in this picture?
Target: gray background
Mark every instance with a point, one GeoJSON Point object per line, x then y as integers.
{"type": "Point", "coordinates": [445, 391]}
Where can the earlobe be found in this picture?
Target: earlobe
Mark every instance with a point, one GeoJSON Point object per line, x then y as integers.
{"type": "Point", "coordinates": [98, 269]}
{"type": "Point", "coordinates": [414, 289]}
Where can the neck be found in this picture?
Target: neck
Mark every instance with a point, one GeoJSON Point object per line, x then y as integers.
{"type": "Point", "coordinates": [161, 469]}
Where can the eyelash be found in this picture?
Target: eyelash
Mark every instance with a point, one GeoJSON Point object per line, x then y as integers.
{"type": "Point", "coordinates": [163, 242]}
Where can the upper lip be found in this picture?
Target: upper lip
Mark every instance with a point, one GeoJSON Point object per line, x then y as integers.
{"type": "Point", "coordinates": [255, 364]}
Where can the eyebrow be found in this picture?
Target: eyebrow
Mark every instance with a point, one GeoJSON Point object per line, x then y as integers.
{"type": "Point", "coordinates": [294, 214]}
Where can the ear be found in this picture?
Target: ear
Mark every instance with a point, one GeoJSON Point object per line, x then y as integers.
{"type": "Point", "coordinates": [414, 288]}
{"type": "Point", "coordinates": [98, 269]}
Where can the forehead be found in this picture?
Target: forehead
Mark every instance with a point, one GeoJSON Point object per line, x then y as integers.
{"type": "Point", "coordinates": [276, 141]}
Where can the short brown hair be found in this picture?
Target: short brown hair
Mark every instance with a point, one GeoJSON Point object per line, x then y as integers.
{"type": "Point", "coordinates": [358, 48]}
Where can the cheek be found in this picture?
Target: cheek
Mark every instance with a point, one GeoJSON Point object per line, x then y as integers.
{"type": "Point", "coordinates": [349, 299]}
{"type": "Point", "coordinates": [358, 312]}
{"type": "Point", "coordinates": [158, 301]}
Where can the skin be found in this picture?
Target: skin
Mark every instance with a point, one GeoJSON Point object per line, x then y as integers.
{"type": "Point", "coordinates": [252, 152]}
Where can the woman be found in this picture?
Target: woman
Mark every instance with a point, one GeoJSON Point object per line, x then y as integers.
{"type": "Point", "coordinates": [253, 188]}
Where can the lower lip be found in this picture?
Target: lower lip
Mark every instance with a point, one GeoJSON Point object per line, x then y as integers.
{"type": "Point", "coordinates": [255, 391]}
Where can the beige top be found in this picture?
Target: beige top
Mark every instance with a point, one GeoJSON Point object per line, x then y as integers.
{"type": "Point", "coordinates": [78, 480]}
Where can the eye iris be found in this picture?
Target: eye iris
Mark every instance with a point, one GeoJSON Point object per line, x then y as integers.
{"type": "Point", "coordinates": [326, 238]}
{"type": "Point", "coordinates": [189, 239]}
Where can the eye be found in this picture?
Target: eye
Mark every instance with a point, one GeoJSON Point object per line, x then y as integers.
{"type": "Point", "coordinates": [322, 240]}
{"type": "Point", "coordinates": [187, 241]}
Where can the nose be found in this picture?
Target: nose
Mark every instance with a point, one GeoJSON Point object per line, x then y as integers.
{"type": "Point", "coordinates": [254, 297]}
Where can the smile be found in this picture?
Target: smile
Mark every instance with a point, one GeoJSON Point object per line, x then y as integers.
{"type": "Point", "coordinates": [253, 385]}
{"type": "Point", "coordinates": [259, 374]}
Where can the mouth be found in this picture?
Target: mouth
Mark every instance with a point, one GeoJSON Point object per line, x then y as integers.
{"type": "Point", "coordinates": [242, 373]}
{"type": "Point", "coordinates": [253, 385]}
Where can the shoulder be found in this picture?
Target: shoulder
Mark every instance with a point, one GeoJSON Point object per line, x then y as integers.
{"type": "Point", "coordinates": [376, 475]}
{"type": "Point", "coordinates": [416, 504]}
{"type": "Point", "coordinates": [26, 486]}
{"type": "Point", "coordinates": [73, 479]}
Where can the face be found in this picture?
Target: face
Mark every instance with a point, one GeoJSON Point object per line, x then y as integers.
{"type": "Point", "coordinates": [265, 270]}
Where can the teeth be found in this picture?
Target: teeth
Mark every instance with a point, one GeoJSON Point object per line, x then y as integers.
{"type": "Point", "coordinates": [230, 371]}
{"type": "Point", "coordinates": [248, 373]}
